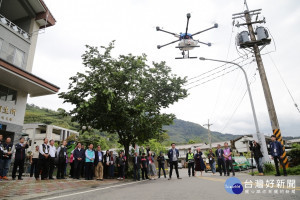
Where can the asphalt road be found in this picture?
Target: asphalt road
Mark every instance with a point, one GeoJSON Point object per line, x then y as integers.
{"type": "Point", "coordinates": [205, 187]}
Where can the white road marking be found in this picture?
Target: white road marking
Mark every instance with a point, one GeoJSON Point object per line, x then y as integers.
{"type": "Point", "coordinates": [97, 189]}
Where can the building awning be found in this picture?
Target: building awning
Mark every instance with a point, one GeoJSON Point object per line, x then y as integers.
{"type": "Point", "coordinates": [18, 10]}
{"type": "Point", "coordinates": [20, 79]}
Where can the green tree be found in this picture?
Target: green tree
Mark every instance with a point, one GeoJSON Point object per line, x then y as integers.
{"type": "Point", "coordinates": [123, 95]}
{"type": "Point", "coordinates": [156, 146]}
{"type": "Point", "coordinates": [192, 142]}
{"type": "Point", "coordinates": [91, 136]}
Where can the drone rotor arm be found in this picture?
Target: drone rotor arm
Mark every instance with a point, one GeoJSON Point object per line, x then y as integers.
{"type": "Point", "coordinates": [208, 44]}
{"type": "Point", "coordinates": [160, 46]}
{"type": "Point", "coordinates": [187, 23]}
{"type": "Point", "coordinates": [159, 29]}
{"type": "Point", "coordinates": [215, 26]}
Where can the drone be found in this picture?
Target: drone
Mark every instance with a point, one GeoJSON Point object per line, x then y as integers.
{"type": "Point", "coordinates": [186, 41]}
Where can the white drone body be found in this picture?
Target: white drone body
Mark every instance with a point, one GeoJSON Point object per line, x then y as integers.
{"type": "Point", "coordinates": [187, 44]}
{"type": "Point", "coordinates": [186, 41]}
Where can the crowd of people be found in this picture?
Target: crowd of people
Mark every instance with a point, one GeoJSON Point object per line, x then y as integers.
{"type": "Point", "coordinates": [223, 157]}
{"type": "Point", "coordinates": [91, 163]}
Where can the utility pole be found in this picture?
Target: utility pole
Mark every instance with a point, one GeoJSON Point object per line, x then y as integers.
{"type": "Point", "coordinates": [254, 45]}
{"type": "Point", "coordinates": [209, 134]}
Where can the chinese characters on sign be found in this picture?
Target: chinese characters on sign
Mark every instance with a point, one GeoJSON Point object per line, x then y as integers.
{"type": "Point", "coordinates": [270, 186]}
{"type": "Point", "coordinates": [7, 113]}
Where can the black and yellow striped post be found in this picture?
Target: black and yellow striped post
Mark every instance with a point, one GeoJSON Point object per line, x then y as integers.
{"type": "Point", "coordinates": [277, 133]}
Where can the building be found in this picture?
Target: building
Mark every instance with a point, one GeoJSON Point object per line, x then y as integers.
{"type": "Point", "coordinates": [241, 144]}
{"type": "Point", "coordinates": [20, 23]}
{"type": "Point", "coordinates": [293, 141]}
{"type": "Point", "coordinates": [183, 149]}
{"type": "Point", "coordinates": [37, 132]}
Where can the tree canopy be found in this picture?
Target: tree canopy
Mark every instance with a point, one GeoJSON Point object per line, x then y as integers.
{"type": "Point", "coordinates": [123, 95]}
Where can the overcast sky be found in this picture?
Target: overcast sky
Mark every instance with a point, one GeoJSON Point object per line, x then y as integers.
{"type": "Point", "coordinates": [132, 24]}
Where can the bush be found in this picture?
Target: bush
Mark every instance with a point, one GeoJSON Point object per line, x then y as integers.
{"type": "Point", "coordinates": [294, 154]}
{"type": "Point", "coordinates": [269, 167]}
{"type": "Point", "coordinates": [293, 170]}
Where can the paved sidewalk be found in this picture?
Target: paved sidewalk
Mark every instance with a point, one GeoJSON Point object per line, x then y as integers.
{"type": "Point", "coordinates": [30, 188]}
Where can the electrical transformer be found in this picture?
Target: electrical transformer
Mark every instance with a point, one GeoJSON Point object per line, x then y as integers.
{"type": "Point", "coordinates": [261, 33]}
{"type": "Point", "coordinates": [242, 38]}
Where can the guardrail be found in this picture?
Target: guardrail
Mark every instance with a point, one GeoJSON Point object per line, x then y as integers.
{"type": "Point", "coordinates": [14, 27]}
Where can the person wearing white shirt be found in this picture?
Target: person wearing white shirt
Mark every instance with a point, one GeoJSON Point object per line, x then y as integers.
{"type": "Point", "coordinates": [43, 162]}
{"type": "Point", "coordinates": [52, 153]}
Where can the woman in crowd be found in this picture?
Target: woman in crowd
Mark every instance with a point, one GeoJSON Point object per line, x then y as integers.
{"type": "Point", "coordinates": [121, 165]}
{"type": "Point", "coordinates": [112, 161]}
{"type": "Point", "coordinates": [71, 175]}
{"type": "Point", "coordinates": [200, 166]}
{"type": "Point", "coordinates": [106, 164]}
{"type": "Point", "coordinates": [151, 166]}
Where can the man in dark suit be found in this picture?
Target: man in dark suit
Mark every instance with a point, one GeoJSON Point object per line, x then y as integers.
{"type": "Point", "coordinates": [99, 157]}
{"type": "Point", "coordinates": [19, 158]}
{"type": "Point", "coordinates": [136, 167]}
{"type": "Point", "coordinates": [78, 160]}
{"type": "Point", "coordinates": [221, 163]}
{"type": "Point", "coordinates": [173, 155]}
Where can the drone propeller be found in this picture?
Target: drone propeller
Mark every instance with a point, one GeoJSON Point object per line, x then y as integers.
{"type": "Point", "coordinates": [160, 46]}
{"type": "Point", "coordinates": [208, 44]}
{"type": "Point", "coordinates": [215, 26]}
{"type": "Point", "coordinates": [159, 29]}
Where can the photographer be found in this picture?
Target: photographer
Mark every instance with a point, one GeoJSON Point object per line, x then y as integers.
{"type": "Point", "coordinates": [255, 148]}
{"type": "Point", "coordinates": [19, 158]}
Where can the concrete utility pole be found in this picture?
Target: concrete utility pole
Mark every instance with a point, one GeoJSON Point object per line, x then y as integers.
{"type": "Point", "coordinates": [255, 136]}
{"type": "Point", "coordinates": [209, 133]}
{"type": "Point", "coordinates": [254, 45]}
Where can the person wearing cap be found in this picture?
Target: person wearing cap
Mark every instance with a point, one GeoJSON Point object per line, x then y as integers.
{"type": "Point", "coordinates": [276, 151]}
{"type": "Point", "coordinates": [191, 162]}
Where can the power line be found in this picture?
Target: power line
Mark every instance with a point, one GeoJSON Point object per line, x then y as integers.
{"type": "Point", "coordinates": [295, 104]}
{"type": "Point", "coordinates": [237, 107]}
{"type": "Point", "coordinates": [222, 70]}
{"type": "Point", "coordinates": [213, 69]}
{"type": "Point", "coordinates": [216, 76]}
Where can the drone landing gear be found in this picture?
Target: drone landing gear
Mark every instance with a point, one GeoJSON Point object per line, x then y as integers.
{"type": "Point", "coordinates": [184, 56]}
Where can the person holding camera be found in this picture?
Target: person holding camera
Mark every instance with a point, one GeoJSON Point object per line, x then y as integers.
{"type": "Point", "coordinates": [19, 158]}
{"type": "Point", "coordinates": [255, 148]}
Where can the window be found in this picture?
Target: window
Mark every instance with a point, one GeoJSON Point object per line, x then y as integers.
{"type": "Point", "coordinates": [15, 56]}
{"type": "Point", "coordinates": [7, 94]}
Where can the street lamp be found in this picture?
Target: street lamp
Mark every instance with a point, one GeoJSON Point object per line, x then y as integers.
{"type": "Point", "coordinates": [257, 136]}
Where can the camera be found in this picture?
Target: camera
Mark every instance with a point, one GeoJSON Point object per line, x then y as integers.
{"type": "Point", "coordinates": [251, 143]}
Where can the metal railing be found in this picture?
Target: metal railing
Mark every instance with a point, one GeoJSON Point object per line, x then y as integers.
{"type": "Point", "coordinates": [14, 28]}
